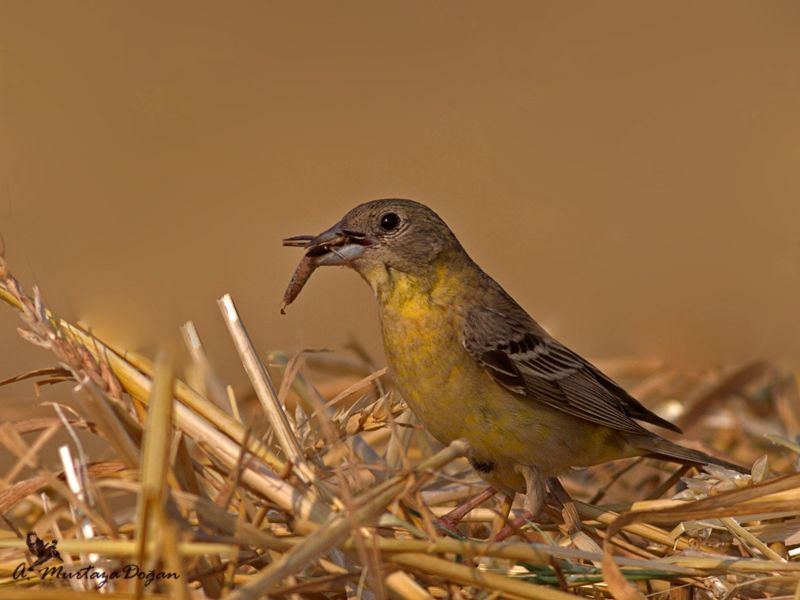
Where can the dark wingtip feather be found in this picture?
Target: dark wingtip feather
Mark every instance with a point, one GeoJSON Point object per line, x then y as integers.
{"type": "Point", "coordinates": [665, 450]}
{"type": "Point", "coordinates": [656, 420]}
{"type": "Point", "coordinates": [632, 407]}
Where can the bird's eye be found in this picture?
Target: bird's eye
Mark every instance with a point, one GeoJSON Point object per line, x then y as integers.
{"type": "Point", "coordinates": [389, 221]}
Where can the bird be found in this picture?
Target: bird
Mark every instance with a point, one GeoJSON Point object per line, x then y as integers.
{"type": "Point", "coordinates": [471, 363]}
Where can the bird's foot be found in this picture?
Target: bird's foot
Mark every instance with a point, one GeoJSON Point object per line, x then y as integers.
{"type": "Point", "coordinates": [559, 498]}
{"type": "Point", "coordinates": [534, 500]}
{"type": "Point", "coordinates": [512, 527]}
{"type": "Point", "coordinates": [502, 515]}
{"type": "Point", "coordinates": [446, 524]}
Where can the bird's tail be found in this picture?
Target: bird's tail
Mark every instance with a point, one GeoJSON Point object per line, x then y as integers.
{"type": "Point", "coordinates": [658, 447]}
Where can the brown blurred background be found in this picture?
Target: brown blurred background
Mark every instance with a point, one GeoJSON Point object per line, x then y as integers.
{"type": "Point", "coordinates": [640, 159]}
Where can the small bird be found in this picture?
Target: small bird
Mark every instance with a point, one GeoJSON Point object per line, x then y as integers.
{"type": "Point", "coordinates": [472, 364]}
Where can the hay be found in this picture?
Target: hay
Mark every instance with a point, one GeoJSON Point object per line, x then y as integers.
{"type": "Point", "coordinates": [331, 489]}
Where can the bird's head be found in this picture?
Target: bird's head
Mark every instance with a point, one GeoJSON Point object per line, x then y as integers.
{"type": "Point", "coordinates": [402, 235]}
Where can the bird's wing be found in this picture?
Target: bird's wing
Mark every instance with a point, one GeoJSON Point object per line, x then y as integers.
{"type": "Point", "coordinates": [520, 356]}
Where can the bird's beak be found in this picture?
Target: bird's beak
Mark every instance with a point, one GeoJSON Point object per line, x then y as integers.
{"type": "Point", "coordinates": [334, 246]}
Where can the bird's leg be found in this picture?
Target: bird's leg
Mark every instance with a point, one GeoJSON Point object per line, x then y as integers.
{"type": "Point", "coordinates": [448, 522]}
{"type": "Point", "coordinates": [513, 526]}
{"type": "Point", "coordinates": [534, 501]}
{"type": "Point", "coordinates": [502, 517]}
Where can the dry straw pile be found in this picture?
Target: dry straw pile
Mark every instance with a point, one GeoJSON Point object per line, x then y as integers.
{"type": "Point", "coordinates": [336, 493]}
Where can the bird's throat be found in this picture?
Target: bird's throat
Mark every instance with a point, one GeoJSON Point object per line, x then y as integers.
{"type": "Point", "coordinates": [412, 295]}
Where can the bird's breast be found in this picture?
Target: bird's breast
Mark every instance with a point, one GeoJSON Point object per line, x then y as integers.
{"type": "Point", "coordinates": [422, 341]}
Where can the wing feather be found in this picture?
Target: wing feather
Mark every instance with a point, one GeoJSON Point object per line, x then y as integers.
{"type": "Point", "coordinates": [520, 355]}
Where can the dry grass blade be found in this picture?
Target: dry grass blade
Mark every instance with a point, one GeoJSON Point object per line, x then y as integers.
{"type": "Point", "coordinates": [265, 390]}
{"type": "Point", "coordinates": [748, 539]}
{"type": "Point", "coordinates": [468, 576]}
{"type": "Point", "coordinates": [125, 547]}
{"type": "Point", "coordinates": [404, 586]}
{"type": "Point", "coordinates": [212, 384]}
{"type": "Point", "coordinates": [119, 428]}
{"type": "Point", "coordinates": [152, 520]}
